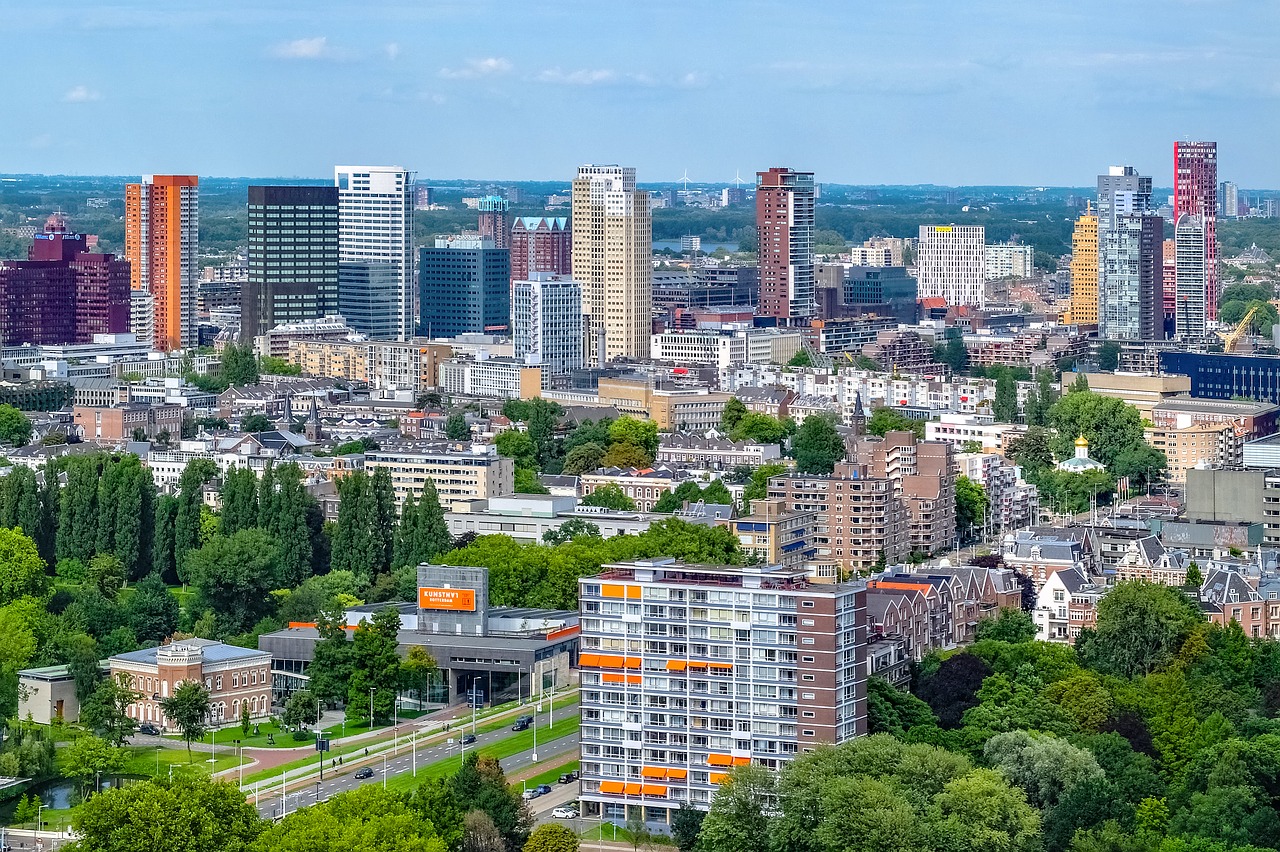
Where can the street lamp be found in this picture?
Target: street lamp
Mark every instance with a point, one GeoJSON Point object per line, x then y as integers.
{"type": "Point", "coordinates": [371, 691]}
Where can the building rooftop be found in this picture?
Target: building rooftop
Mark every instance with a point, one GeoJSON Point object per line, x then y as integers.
{"type": "Point", "coordinates": [210, 650]}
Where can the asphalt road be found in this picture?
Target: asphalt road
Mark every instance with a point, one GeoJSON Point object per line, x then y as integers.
{"type": "Point", "coordinates": [402, 764]}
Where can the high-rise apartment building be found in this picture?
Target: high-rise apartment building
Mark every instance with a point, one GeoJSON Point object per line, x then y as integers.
{"type": "Point", "coordinates": [1084, 271]}
{"type": "Point", "coordinates": [493, 220]}
{"type": "Point", "coordinates": [1229, 200]}
{"type": "Point", "coordinates": [1195, 193]}
{"type": "Point", "coordinates": [1121, 192]}
{"type": "Point", "coordinates": [465, 287]}
{"type": "Point", "coordinates": [375, 250]}
{"type": "Point", "coordinates": [924, 478]}
{"type": "Point", "coordinates": [690, 670]}
{"type": "Point", "coordinates": [540, 244]}
{"type": "Point", "coordinates": [1131, 278]}
{"type": "Point", "coordinates": [1169, 284]}
{"type": "Point", "coordinates": [952, 262]}
{"type": "Point", "coordinates": [612, 251]}
{"type": "Point", "coordinates": [161, 243]}
{"type": "Point", "coordinates": [1010, 260]}
{"type": "Point", "coordinates": [1191, 275]}
{"type": "Point", "coordinates": [546, 323]}
{"type": "Point", "coordinates": [785, 224]}
{"type": "Point", "coordinates": [293, 257]}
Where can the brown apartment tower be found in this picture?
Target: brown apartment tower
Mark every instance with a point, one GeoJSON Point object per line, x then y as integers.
{"type": "Point", "coordinates": [784, 222]}
{"type": "Point", "coordinates": [161, 241]}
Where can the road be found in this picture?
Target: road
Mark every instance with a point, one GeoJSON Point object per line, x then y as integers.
{"type": "Point", "coordinates": [269, 804]}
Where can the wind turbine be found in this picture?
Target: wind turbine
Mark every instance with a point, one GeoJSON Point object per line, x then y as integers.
{"type": "Point", "coordinates": [737, 178]}
{"type": "Point", "coordinates": [685, 180]}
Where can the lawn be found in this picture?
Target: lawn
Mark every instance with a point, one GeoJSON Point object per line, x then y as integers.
{"type": "Point", "coordinates": [143, 760]}
{"type": "Point", "coordinates": [551, 776]}
{"type": "Point", "coordinates": [610, 832]}
{"type": "Point", "coordinates": [513, 744]}
{"type": "Point", "coordinates": [283, 738]}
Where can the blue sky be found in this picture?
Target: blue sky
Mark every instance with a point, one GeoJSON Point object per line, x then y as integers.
{"type": "Point", "coordinates": [860, 91]}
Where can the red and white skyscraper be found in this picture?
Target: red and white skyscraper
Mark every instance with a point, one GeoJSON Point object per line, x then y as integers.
{"type": "Point", "coordinates": [540, 244]}
{"type": "Point", "coordinates": [1195, 194]}
{"type": "Point", "coordinates": [785, 222]}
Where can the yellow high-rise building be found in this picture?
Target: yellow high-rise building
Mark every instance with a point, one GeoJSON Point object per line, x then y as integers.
{"type": "Point", "coordinates": [1084, 271]}
{"type": "Point", "coordinates": [612, 258]}
{"type": "Point", "coordinates": [161, 240]}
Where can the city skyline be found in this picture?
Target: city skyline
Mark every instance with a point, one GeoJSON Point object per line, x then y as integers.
{"type": "Point", "coordinates": [290, 92]}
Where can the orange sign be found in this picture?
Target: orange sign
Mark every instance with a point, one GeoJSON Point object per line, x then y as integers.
{"type": "Point", "coordinates": [458, 600]}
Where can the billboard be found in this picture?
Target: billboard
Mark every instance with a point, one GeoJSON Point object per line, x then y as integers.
{"type": "Point", "coordinates": [456, 600]}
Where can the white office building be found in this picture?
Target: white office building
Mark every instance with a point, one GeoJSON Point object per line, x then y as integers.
{"type": "Point", "coordinates": [953, 263]}
{"type": "Point", "coordinates": [375, 250]}
{"type": "Point", "coordinates": [1010, 260]}
{"type": "Point", "coordinates": [546, 323]}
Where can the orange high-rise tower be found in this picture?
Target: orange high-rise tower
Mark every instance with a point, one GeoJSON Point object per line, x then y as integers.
{"type": "Point", "coordinates": [161, 238]}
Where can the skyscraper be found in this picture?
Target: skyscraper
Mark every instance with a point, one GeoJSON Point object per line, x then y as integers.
{"type": "Point", "coordinates": [1169, 274]}
{"type": "Point", "coordinates": [1195, 193]}
{"type": "Point", "coordinates": [784, 224]}
{"type": "Point", "coordinates": [493, 220]}
{"type": "Point", "coordinates": [375, 250]}
{"type": "Point", "coordinates": [540, 244]}
{"type": "Point", "coordinates": [161, 241]}
{"type": "Point", "coordinates": [465, 287]}
{"type": "Point", "coordinates": [1131, 279]}
{"type": "Point", "coordinates": [546, 323]}
{"type": "Point", "coordinates": [1190, 277]}
{"type": "Point", "coordinates": [953, 263]}
{"type": "Point", "coordinates": [612, 251]}
{"type": "Point", "coordinates": [1121, 191]}
{"type": "Point", "coordinates": [1084, 271]}
{"type": "Point", "coordinates": [293, 257]}
{"type": "Point", "coordinates": [1229, 199]}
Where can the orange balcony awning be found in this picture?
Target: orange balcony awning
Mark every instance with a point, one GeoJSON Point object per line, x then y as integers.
{"type": "Point", "coordinates": [611, 786]}
{"type": "Point", "coordinates": [742, 761]}
{"type": "Point", "coordinates": [721, 665]}
{"type": "Point", "coordinates": [653, 772]}
{"type": "Point", "coordinates": [716, 778]}
{"type": "Point", "coordinates": [676, 665]}
{"type": "Point", "coordinates": [677, 774]}
{"type": "Point", "coordinates": [719, 760]}
{"type": "Point", "coordinates": [633, 789]}
{"type": "Point", "coordinates": [654, 790]}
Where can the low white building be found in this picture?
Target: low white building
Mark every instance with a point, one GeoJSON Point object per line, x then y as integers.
{"type": "Point", "coordinates": [960, 429]}
{"type": "Point", "coordinates": [1067, 604]}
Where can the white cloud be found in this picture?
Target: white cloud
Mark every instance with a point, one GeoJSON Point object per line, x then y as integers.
{"type": "Point", "coordinates": [303, 48]}
{"type": "Point", "coordinates": [488, 67]}
{"type": "Point", "coordinates": [392, 50]}
{"type": "Point", "coordinates": [81, 95]}
{"type": "Point", "coordinates": [580, 77]}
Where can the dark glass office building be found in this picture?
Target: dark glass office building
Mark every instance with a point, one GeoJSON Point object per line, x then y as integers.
{"type": "Point", "coordinates": [883, 285]}
{"type": "Point", "coordinates": [1221, 376]}
{"type": "Point", "coordinates": [293, 257]}
{"type": "Point", "coordinates": [465, 287]}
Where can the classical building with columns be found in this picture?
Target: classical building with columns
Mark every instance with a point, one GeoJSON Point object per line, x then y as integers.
{"type": "Point", "coordinates": [234, 677]}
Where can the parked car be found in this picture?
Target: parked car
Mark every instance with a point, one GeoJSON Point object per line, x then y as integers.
{"type": "Point", "coordinates": [569, 777]}
{"type": "Point", "coordinates": [468, 739]}
{"type": "Point", "coordinates": [149, 729]}
{"type": "Point", "coordinates": [531, 793]}
{"type": "Point", "coordinates": [520, 725]}
{"type": "Point", "coordinates": [564, 813]}
{"type": "Point", "coordinates": [543, 789]}
{"type": "Point", "coordinates": [366, 772]}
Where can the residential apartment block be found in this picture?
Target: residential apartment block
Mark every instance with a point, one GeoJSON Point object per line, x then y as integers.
{"type": "Point", "coordinates": [690, 670]}
{"type": "Point", "coordinates": [459, 476]}
{"type": "Point", "coordinates": [713, 453]}
{"type": "Point", "coordinates": [953, 263]}
{"type": "Point", "coordinates": [161, 241]}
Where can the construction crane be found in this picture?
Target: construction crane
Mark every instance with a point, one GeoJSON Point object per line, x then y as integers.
{"type": "Point", "coordinates": [1231, 338]}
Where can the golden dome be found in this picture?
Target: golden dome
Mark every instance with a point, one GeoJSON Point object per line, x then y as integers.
{"type": "Point", "coordinates": [1082, 441]}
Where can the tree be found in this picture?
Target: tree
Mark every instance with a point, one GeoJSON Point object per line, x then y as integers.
{"type": "Point", "coordinates": [163, 561]}
{"type": "Point", "coordinates": [1032, 451]}
{"type": "Point", "coordinates": [239, 366]}
{"type": "Point", "coordinates": [583, 459]}
{"type": "Point", "coordinates": [152, 610]}
{"type": "Point", "coordinates": [609, 496]}
{"type": "Point", "coordinates": [80, 653]}
{"type": "Point", "coordinates": [88, 758]}
{"type": "Point", "coordinates": [971, 506]}
{"type": "Point", "coordinates": [482, 785]}
{"type": "Point", "coordinates": [106, 573]}
{"type": "Point", "coordinates": [638, 433]}
{"type": "Point", "coordinates": [1045, 767]}
{"type": "Point", "coordinates": [800, 359]}
{"type": "Point", "coordinates": [239, 500]}
{"type": "Point", "coordinates": [1141, 627]}
{"type": "Point", "coordinates": [1010, 625]}
{"type": "Point", "coordinates": [456, 428]}
{"type": "Point", "coordinates": [364, 541]}
{"type": "Point", "coordinates": [1006, 402]}
{"type": "Point", "coordinates": [300, 709]}
{"type": "Point", "coordinates": [253, 423]}
{"type": "Point", "coordinates": [15, 428]}
{"type": "Point", "coordinates": [188, 815]}
{"type": "Point", "coordinates": [22, 571]}
{"type": "Point", "coordinates": [1110, 425]}
{"type": "Point", "coordinates": [551, 837]}
{"type": "Point", "coordinates": [186, 522]}
{"type": "Point", "coordinates": [953, 687]}
{"type": "Point", "coordinates": [885, 420]}
{"type": "Point", "coordinates": [479, 834]}
{"type": "Point", "coordinates": [1108, 356]}
{"type": "Point", "coordinates": [734, 410]}
{"type": "Point", "coordinates": [569, 530]}
{"type": "Point", "coordinates": [626, 455]}
{"type": "Point", "coordinates": [541, 418]}
{"type": "Point", "coordinates": [233, 576]}
{"type": "Point", "coordinates": [367, 818]}
{"type": "Point", "coordinates": [418, 671]}
{"type": "Point", "coordinates": [686, 824]}
{"type": "Point", "coordinates": [759, 429]}
{"type": "Point", "coordinates": [375, 664]}
{"type": "Point", "coordinates": [954, 354]}
{"type": "Point", "coordinates": [737, 819]}
{"type": "Point", "coordinates": [817, 445]}
{"type": "Point", "coordinates": [330, 670]}
{"type": "Point", "coordinates": [106, 712]}
{"type": "Point", "coordinates": [674, 500]}
{"type": "Point", "coordinates": [1195, 579]}
{"type": "Point", "coordinates": [188, 708]}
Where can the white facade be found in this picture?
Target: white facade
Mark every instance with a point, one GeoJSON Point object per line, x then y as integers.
{"type": "Point", "coordinates": [1005, 260]}
{"type": "Point", "coordinates": [952, 263]}
{"type": "Point", "coordinates": [699, 347]}
{"type": "Point", "coordinates": [142, 316]}
{"type": "Point", "coordinates": [546, 323]}
{"type": "Point", "coordinates": [959, 429]}
{"type": "Point", "coordinates": [375, 250]}
{"type": "Point", "coordinates": [612, 258]}
{"type": "Point", "coordinates": [483, 377]}
{"type": "Point", "coordinates": [1191, 275]}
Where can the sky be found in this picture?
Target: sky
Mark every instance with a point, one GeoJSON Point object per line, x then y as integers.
{"type": "Point", "coordinates": [968, 92]}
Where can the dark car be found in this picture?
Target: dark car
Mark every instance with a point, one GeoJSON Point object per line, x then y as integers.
{"type": "Point", "coordinates": [468, 739]}
{"type": "Point", "coordinates": [569, 777]}
{"type": "Point", "coordinates": [149, 730]}
{"type": "Point", "coordinates": [543, 789]}
{"type": "Point", "coordinates": [526, 720]}
{"type": "Point", "coordinates": [367, 772]}
{"type": "Point", "coordinates": [520, 725]}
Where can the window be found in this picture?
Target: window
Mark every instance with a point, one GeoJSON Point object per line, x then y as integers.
{"type": "Point", "coordinates": [217, 684]}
